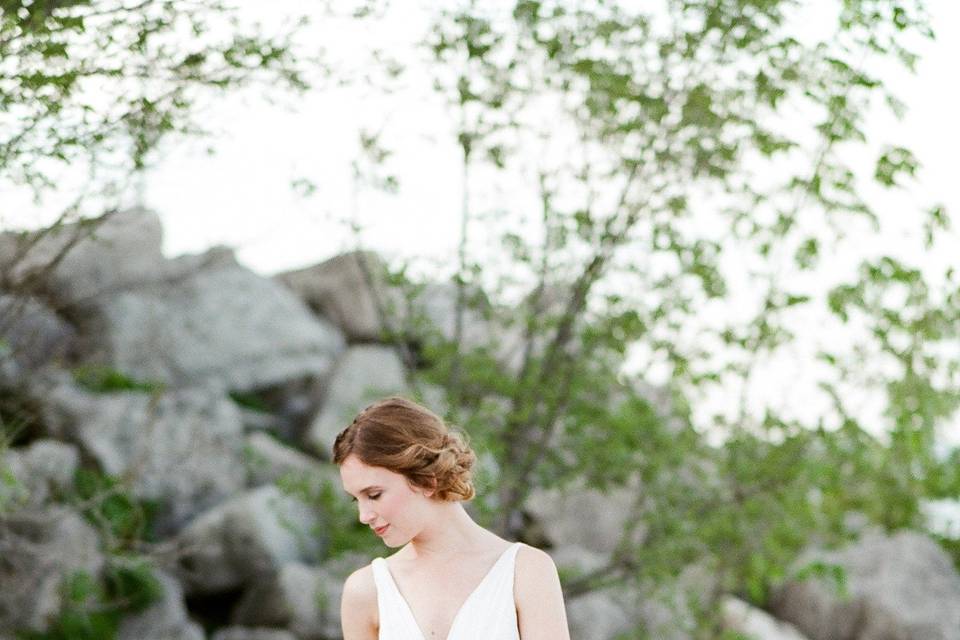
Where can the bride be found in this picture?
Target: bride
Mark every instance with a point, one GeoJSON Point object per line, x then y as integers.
{"type": "Point", "coordinates": [451, 579]}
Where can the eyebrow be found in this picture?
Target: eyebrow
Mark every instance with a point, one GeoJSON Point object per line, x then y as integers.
{"type": "Point", "coordinates": [364, 490]}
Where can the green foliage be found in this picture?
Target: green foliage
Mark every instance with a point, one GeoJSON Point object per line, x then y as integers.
{"type": "Point", "coordinates": [11, 491]}
{"type": "Point", "coordinates": [250, 400]}
{"type": "Point", "coordinates": [76, 86]}
{"type": "Point", "coordinates": [657, 219]}
{"type": "Point", "coordinates": [92, 608]}
{"type": "Point", "coordinates": [131, 581]}
{"type": "Point", "coordinates": [122, 519]}
{"type": "Point", "coordinates": [103, 379]}
{"type": "Point", "coordinates": [341, 530]}
{"type": "Point", "coordinates": [687, 187]}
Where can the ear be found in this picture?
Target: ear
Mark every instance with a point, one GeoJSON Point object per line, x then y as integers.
{"type": "Point", "coordinates": [430, 492]}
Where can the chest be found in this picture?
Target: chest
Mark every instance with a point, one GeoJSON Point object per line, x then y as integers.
{"type": "Point", "coordinates": [440, 597]}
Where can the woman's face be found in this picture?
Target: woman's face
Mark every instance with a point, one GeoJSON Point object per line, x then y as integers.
{"type": "Point", "coordinates": [384, 499]}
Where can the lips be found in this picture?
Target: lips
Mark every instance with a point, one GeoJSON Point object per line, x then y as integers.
{"type": "Point", "coordinates": [381, 530]}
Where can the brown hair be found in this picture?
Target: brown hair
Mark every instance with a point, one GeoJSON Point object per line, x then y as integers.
{"type": "Point", "coordinates": [406, 438]}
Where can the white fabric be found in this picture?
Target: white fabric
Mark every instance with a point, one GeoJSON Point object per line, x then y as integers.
{"type": "Point", "coordinates": [488, 613]}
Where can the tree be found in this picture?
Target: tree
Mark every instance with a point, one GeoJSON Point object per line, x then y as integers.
{"type": "Point", "coordinates": [100, 85]}
{"type": "Point", "coordinates": [688, 157]}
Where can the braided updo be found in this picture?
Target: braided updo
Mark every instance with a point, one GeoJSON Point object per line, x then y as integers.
{"type": "Point", "coordinates": [406, 438]}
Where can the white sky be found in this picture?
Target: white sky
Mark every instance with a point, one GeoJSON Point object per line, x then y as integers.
{"type": "Point", "coordinates": [241, 196]}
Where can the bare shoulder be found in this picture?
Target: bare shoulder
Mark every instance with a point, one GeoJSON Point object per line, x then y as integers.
{"type": "Point", "coordinates": [538, 595]}
{"type": "Point", "coordinates": [358, 605]}
{"type": "Point", "coordinates": [532, 561]}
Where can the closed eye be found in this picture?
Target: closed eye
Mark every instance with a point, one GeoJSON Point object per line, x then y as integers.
{"type": "Point", "coordinates": [353, 499]}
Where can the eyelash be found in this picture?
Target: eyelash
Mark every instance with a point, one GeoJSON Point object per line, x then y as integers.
{"type": "Point", "coordinates": [371, 497]}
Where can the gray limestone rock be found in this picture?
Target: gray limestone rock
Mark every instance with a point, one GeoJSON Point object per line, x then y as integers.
{"type": "Point", "coordinates": [364, 374]}
{"type": "Point", "coordinates": [32, 333]}
{"type": "Point", "coordinates": [301, 598]}
{"type": "Point", "coordinates": [217, 322]}
{"type": "Point", "coordinates": [74, 264]}
{"type": "Point", "coordinates": [753, 624]}
{"type": "Point", "coordinates": [248, 633]}
{"type": "Point", "coordinates": [38, 549]}
{"type": "Point", "coordinates": [165, 619]}
{"type": "Point", "coordinates": [899, 587]}
{"type": "Point", "coordinates": [181, 448]}
{"type": "Point", "coordinates": [339, 290]}
{"type": "Point", "coordinates": [562, 512]}
{"type": "Point", "coordinates": [245, 540]}
{"type": "Point", "coordinates": [38, 471]}
{"type": "Point", "coordinates": [268, 461]}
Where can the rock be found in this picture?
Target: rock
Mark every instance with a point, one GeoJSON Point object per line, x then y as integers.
{"type": "Point", "coordinates": [269, 461]}
{"type": "Point", "coordinates": [437, 305]}
{"type": "Point", "coordinates": [216, 323]}
{"type": "Point", "coordinates": [338, 289]}
{"type": "Point", "coordinates": [303, 599]}
{"type": "Point", "coordinates": [287, 409]}
{"type": "Point", "coordinates": [247, 633]}
{"type": "Point", "coordinates": [38, 549]}
{"type": "Point", "coordinates": [753, 624]}
{"type": "Point", "coordinates": [594, 615]}
{"type": "Point", "coordinates": [561, 513]}
{"type": "Point", "coordinates": [364, 374]}
{"type": "Point", "coordinates": [245, 540]}
{"type": "Point", "coordinates": [900, 587]}
{"type": "Point", "coordinates": [181, 448]}
{"type": "Point", "coordinates": [165, 619]}
{"type": "Point", "coordinates": [43, 468]}
{"type": "Point", "coordinates": [355, 297]}
{"type": "Point", "coordinates": [32, 332]}
{"type": "Point", "coordinates": [662, 611]}
{"type": "Point", "coordinates": [110, 253]}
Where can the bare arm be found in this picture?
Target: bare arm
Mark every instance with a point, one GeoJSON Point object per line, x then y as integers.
{"type": "Point", "coordinates": [358, 606]}
{"type": "Point", "coordinates": [541, 614]}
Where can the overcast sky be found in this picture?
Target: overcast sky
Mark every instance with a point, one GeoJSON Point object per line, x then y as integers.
{"type": "Point", "coordinates": [242, 195]}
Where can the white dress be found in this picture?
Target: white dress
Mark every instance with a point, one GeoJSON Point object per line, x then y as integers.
{"type": "Point", "coordinates": [488, 613]}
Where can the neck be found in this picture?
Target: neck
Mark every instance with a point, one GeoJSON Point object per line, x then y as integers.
{"type": "Point", "coordinates": [452, 532]}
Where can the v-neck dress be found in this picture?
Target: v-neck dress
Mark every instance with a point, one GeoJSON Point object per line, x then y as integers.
{"type": "Point", "coordinates": [488, 613]}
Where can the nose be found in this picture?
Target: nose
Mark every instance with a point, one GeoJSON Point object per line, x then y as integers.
{"type": "Point", "coordinates": [366, 515]}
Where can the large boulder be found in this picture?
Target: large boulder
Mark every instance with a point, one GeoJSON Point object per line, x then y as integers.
{"type": "Point", "coordinates": [37, 472]}
{"type": "Point", "coordinates": [665, 611]}
{"type": "Point", "coordinates": [182, 449]}
{"type": "Point", "coordinates": [597, 614]}
{"type": "Point", "coordinates": [247, 633]}
{"type": "Point", "coordinates": [73, 264]}
{"type": "Point", "coordinates": [899, 587]}
{"type": "Point", "coordinates": [246, 540]}
{"type": "Point", "coordinates": [364, 374]}
{"type": "Point", "coordinates": [269, 461]}
{"type": "Point", "coordinates": [38, 549]}
{"type": "Point", "coordinates": [753, 624]}
{"type": "Point", "coordinates": [178, 321]}
{"type": "Point", "coordinates": [561, 513]}
{"type": "Point", "coordinates": [348, 289]}
{"type": "Point", "coordinates": [165, 619]}
{"type": "Point", "coordinates": [216, 322]}
{"type": "Point", "coordinates": [32, 332]}
{"type": "Point", "coordinates": [353, 291]}
{"type": "Point", "coordinates": [301, 598]}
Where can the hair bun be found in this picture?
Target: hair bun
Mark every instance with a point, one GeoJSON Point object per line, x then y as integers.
{"type": "Point", "coordinates": [407, 438]}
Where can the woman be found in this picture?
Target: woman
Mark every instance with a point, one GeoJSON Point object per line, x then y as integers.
{"type": "Point", "coordinates": [451, 579]}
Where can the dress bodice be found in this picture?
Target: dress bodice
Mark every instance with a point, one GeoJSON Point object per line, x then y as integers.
{"type": "Point", "coordinates": [488, 613]}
